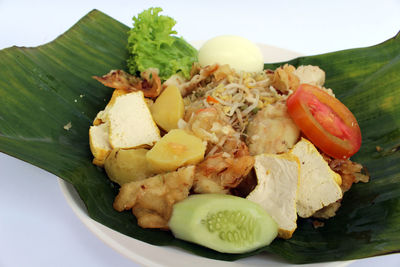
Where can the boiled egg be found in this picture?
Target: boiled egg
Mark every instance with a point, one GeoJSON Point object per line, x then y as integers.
{"type": "Point", "coordinates": [238, 52]}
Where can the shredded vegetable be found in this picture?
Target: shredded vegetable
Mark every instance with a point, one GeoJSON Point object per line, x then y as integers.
{"type": "Point", "coordinates": [238, 95]}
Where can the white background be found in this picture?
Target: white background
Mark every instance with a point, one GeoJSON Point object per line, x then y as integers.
{"type": "Point", "coordinates": [37, 227]}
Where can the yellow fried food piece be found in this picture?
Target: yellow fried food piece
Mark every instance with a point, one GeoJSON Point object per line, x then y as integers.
{"type": "Point", "coordinates": [175, 149]}
{"type": "Point", "coordinates": [151, 200]}
{"type": "Point", "coordinates": [318, 183]}
{"type": "Point", "coordinates": [276, 189]}
{"type": "Point", "coordinates": [127, 165]}
{"type": "Point", "coordinates": [284, 78]}
{"type": "Point", "coordinates": [131, 123]}
{"type": "Point", "coordinates": [101, 117]}
{"type": "Point", "coordinates": [99, 145]}
{"type": "Point", "coordinates": [168, 108]}
{"type": "Point", "coordinates": [222, 171]}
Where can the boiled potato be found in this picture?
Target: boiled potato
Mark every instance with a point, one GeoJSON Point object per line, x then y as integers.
{"type": "Point", "coordinates": [168, 108]}
{"type": "Point", "coordinates": [127, 165]}
{"type": "Point", "coordinates": [175, 149]}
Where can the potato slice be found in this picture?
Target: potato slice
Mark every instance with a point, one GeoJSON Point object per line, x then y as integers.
{"type": "Point", "coordinates": [175, 149]}
{"type": "Point", "coordinates": [127, 165]}
{"type": "Point", "coordinates": [168, 108]}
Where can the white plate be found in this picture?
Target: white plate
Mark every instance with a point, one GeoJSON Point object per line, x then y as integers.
{"type": "Point", "coordinates": [149, 255]}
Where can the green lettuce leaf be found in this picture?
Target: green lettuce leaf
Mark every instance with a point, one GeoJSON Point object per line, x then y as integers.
{"type": "Point", "coordinates": [151, 44]}
{"type": "Point", "coordinates": [46, 87]}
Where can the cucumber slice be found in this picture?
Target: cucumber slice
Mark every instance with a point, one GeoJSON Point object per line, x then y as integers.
{"type": "Point", "coordinates": [224, 223]}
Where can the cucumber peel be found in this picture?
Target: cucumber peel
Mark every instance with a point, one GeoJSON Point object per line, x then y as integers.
{"type": "Point", "coordinates": [224, 223]}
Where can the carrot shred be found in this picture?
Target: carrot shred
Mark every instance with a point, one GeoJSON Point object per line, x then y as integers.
{"type": "Point", "coordinates": [211, 99]}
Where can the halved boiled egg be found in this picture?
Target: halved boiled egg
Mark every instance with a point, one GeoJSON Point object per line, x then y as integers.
{"type": "Point", "coordinates": [240, 53]}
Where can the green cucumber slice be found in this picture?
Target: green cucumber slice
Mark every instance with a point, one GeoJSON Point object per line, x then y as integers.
{"type": "Point", "coordinates": [224, 223]}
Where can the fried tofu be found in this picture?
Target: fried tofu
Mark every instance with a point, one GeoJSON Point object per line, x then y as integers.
{"type": "Point", "coordinates": [99, 144]}
{"type": "Point", "coordinates": [131, 123]}
{"type": "Point", "coordinates": [276, 189]}
{"type": "Point", "coordinates": [318, 185]}
{"type": "Point", "coordinates": [126, 122]}
{"type": "Point", "coordinates": [101, 117]}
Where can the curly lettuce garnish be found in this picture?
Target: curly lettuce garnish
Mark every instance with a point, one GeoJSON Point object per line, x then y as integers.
{"type": "Point", "coordinates": [151, 44]}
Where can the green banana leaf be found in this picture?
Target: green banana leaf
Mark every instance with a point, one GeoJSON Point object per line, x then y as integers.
{"type": "Point", "coordinates": [43, 89]}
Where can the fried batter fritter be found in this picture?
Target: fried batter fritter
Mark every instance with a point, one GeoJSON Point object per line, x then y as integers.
{"type": "Point", "coordinates": [222, 171]}
{"type": "Point", "coordinates": [284, 79]}
{"type": "Point", "coordinates": [351, 172]}
{"type": "Point", "coordinates": [228, 159]}
{"type": "Point", "coordinates": [197, 76]}
{"type": "Point", "coordinates": [149, 82]}
{"type": "Point", "coordinates": [151, 200]}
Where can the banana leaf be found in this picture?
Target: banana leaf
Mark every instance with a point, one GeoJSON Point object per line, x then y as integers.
{"type": "Point", "coordinates": [45, 88]}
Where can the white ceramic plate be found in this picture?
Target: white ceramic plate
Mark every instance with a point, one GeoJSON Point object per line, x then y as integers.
{"type": "Point", "coordinates": [149, 255]}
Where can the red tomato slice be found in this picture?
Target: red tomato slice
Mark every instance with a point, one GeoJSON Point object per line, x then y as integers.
{"type": "Point", "coordinates": [324, 120]}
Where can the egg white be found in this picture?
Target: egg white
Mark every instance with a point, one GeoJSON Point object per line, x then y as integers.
{"type": "Point", "coordinates": [238, 52]}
